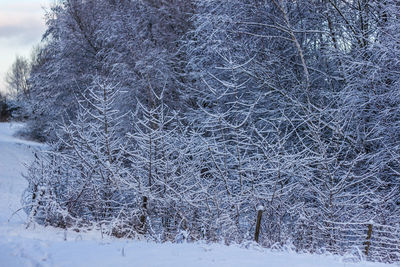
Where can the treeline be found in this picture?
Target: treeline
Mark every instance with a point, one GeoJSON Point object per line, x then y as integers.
{"type": "Point", "coordinates": [176, 119]}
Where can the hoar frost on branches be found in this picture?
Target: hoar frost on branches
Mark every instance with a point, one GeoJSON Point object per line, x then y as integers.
{"type": "Point", "coordinates": [213, 108]}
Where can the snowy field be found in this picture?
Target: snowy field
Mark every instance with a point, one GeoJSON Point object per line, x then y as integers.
{"type": "Point", "coordinates": [38, 246]}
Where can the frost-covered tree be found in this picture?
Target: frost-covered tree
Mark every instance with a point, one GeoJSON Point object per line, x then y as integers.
{"type": "Point", "coordinates": [17, 77]}
{"type": "Point", "coordinates": [132, 43]}
{"type": "Point", "coordinates": [85, 168]}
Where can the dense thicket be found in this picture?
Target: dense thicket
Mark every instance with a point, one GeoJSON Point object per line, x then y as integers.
{"type": "Point", "coordinates": [176, 119]}
{"type": "Point", "coordinates": [4, 109]}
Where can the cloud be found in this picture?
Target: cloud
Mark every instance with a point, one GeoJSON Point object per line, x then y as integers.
{"type": "Point", "coordinates": [23, 32]}
{"type": "Point", "coordinates": [33, 7]}
{"type": "Point", "coordinates": [21, 26]}
{"type": "Point", "coordinates": [22, 18]}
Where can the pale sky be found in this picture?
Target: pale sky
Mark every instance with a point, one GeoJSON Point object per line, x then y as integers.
{"type": "Point", "coordinates": [21, 27]}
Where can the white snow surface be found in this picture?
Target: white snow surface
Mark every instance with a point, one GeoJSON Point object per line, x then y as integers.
{"type": "Point", "coordinates": [40, 246]}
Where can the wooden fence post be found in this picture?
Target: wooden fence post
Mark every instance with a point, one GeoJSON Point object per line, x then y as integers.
{"type": "Point", "coordinates": [258, 223]}
{"type": "Point", "coordinates": [368, 242]}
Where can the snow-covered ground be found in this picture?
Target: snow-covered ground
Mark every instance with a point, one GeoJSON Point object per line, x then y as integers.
{"type": "Point", "coordinates": [39, 246]}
